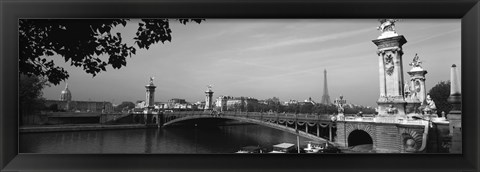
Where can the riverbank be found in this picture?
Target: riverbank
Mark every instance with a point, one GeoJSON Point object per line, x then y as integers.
{"type": "Point", "coordinates": [76, 127]}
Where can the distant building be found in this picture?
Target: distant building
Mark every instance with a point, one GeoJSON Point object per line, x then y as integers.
{"type": "Point", "coordinates": [200, 105]}
{"type": "Point", "coordinates": [291, 102]}
{"type": "Point", "coordinates": [309, 100]}
{"type": "Point", "coordinates": [224, 103]}
{"type": "Point", "coordinates": [140, 104]}
{"type": "Point", "coordinates": [65, 103]}
{"type": "Point", "coordinates": [221, 103]}
{"type": "Point", "coordinates": [66, 95]}
{"type": "Point", "coordinates": [177, 101]}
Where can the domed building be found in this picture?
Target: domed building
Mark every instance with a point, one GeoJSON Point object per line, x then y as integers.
{"type": "Point", "coordinates": [66, 95]}
{"type": "Point", "coordinates": [66, 104]}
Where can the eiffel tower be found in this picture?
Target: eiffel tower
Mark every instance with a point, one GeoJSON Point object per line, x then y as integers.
{"type": "Point", "coordinates": [325, 97]}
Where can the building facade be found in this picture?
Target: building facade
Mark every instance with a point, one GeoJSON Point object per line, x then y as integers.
{"type": "Point", "coordinates": [65, 103]}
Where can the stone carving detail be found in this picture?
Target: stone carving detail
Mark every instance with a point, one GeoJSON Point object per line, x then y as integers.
{"type": "Point", "coordinates": [430, 107]}
{"type": "Point", "coordinates": [389, 66]}
{"type": "Point", "coordinates": [407, 90]}
{"type": "Point", "coordinates": [412, 141]}
{"type": "Point", "coordinates": [392, 110]}
{"type": "Point", "coordinates": [414, 90]}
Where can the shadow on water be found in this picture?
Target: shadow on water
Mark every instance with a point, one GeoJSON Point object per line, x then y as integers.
{"type": "Point", "coordinates": [204, 137]}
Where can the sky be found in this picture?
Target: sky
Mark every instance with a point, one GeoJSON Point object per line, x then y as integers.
{"type": "Point", "coordinates": [265, 58]}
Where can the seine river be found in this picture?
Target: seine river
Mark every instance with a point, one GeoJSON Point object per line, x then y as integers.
{"type": "Point", "coordinates": [179, 139]}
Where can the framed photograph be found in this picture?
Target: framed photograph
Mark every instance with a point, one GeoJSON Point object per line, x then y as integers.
{"type": "Point", "coordinates": [286, 86]}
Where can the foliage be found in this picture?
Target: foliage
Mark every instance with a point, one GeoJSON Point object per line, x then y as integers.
{"type": "Point", "coordinates": [274, 104]}
{"type": "Point", "coordinates": [124, 106]}
{"type": "Point", "coordinates": [325, 109]}
{"type": "Point", "coordinates": [82, 43]}
{"type": "Point", "coordinates": [30, 96]}
{"type": "Point", "coordinates": [439, 94]}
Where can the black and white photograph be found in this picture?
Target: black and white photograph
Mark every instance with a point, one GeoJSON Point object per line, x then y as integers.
{"type": "Point", "coordinates": [228, 86]}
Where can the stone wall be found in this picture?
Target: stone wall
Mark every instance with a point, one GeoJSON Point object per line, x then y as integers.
{"type": "Point", "coordinates": [388, 137]}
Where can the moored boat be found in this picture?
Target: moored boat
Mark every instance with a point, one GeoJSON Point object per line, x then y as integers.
{"type": "Point", "coordinates": [283, 148]}
{"type": "Point", "coordinates": [313, 147]}
{"type": "Point", "coordinates": [250, 149]}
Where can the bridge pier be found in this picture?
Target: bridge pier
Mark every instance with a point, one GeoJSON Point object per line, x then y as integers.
{"type": "Point", "coordinates": [318, 130]}
{"type": "Point", "coordinates": [330, 131]}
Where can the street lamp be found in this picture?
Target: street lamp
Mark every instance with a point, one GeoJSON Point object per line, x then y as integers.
{"type": "Point", "coordinates": [333, 118]}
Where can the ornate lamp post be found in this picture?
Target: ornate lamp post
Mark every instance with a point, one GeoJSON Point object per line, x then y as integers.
{"type": "Point", "coordinates": [340, 102]}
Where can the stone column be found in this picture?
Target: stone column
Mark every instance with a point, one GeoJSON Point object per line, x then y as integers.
{"type": "Point", "coordinates": [330, 131]}
{"type": "Point", "coordinates": [417, 80]}
{"type": "Point", "coordinates": [381, 69]}
{"type": "Point", "coordinates": [391, 74]}
{"type": "Point", "coordinates": [150, 95]}
{"type": "Point", "coordinates": [208, 99]}
{"type": "Point", "coordinates": [417, 75]}
{"type": "Point", "coordinates": [455, 115]}
{"type": "Point", "coordinates": [341, 135]}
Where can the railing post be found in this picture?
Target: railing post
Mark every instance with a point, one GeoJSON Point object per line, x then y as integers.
{"type": "Point", "coordinates": [276, 117]}
{"type": "Point", "coordinates": [318, 129]}
{"type": "Point", "coordinates": [330, 131]}
{"type": "Point", "coordinates": [306, 127]}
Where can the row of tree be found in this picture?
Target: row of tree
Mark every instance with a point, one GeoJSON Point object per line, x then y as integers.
{"type": "Point", "coordinates": [273, 104]}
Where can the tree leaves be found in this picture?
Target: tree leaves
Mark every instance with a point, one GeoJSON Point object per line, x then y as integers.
{"type": "Point", "coordinates": [82, 42]}
{"type": "Point", "coordinates": [30, 95]}
{"type": "Point", "coordinates": [440, 93]}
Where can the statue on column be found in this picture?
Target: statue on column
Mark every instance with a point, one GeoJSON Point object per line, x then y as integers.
{"type": "Point", "coordinates": [151, 79]}
{"type": "Point", "coordinates": [209, 87]}
{"type": "Point", "coordinates": [387, 25]}
{"type": "Point", "coordinates": [416, 62]}
{"type": "Point", "coordinates": [339, 103]}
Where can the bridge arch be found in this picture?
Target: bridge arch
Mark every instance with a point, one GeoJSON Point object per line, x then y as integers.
{"type": "Point", "coordinates": [264, 122]}
{"type": "Point", "coordinates": [359, 133]}
{"type": "Point", "coordinates": [359, 137]}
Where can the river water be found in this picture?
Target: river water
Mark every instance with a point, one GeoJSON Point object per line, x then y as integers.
{"type": "Point", "coordinates": [180, 139]}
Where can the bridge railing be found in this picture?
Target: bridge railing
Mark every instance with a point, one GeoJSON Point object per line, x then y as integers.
{"type": "Point", "coordinates": [256, 115]}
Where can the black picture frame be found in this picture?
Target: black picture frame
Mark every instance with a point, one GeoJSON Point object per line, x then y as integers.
{"type": "Point", "coordinates": [466, 10]}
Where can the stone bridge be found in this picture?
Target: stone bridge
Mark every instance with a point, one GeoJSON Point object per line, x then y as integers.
{"type": "Point", "coordinates": [385, 135]}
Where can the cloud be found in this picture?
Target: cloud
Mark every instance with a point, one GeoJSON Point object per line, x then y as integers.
{"type": "Point", "coordinates": [298, 41]}
{"type": "Point", "coordinates": [441, 34]}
